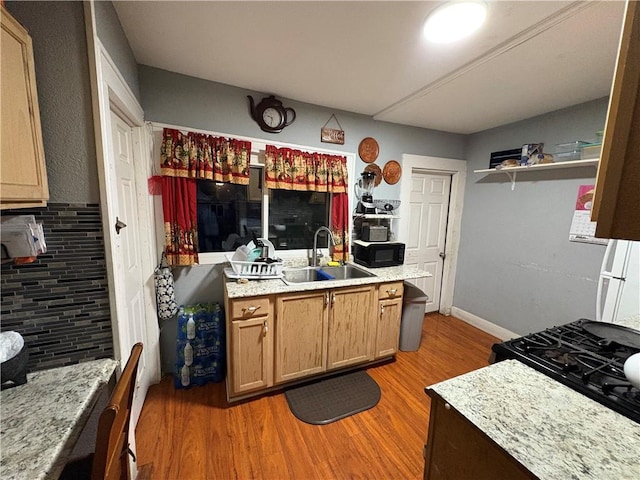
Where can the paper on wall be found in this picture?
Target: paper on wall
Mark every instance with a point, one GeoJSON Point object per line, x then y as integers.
{"type": "Point", "coordinates": [582, 228]}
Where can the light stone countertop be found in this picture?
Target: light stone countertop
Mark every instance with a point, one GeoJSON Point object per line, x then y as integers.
{"type": "Point", "coordinates": [554, 431]}
{"type": "Point", "coordinates": [630, 322]}
{"type": "Point", "coordinates": [255, 288]}
{"type": "Point", "coordinates": [42, 419]}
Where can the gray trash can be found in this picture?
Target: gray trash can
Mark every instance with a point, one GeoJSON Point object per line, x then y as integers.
{"type": "Point", "coordinates": [413, 304]}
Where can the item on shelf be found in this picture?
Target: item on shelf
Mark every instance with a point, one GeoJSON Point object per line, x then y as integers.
{"type": "Point", "coordinates": [392, 172]}
{"type": "Point", "coordinates": [364, 193]}
{"type": "Point", "coordinates": [386, 206]}
{"type": "Point", "coordinates": [591, 150]}
{"type": "Point", "coordinates": [375, 233]}
{"type": "Point", "coordinates": [512, 162]}
{"type": "Point", "coordinates": [529, 150]}
{"type": "Point", "coordinates": [368, 149]}
{"type": "Point", "coordinates": [498, 157]}
{"type": "Point", "coordinates": [372, 167]}
{"type": "Point", "coordinates": [569, 151]}
{"type": "Point", "coordinates": [540, 158]}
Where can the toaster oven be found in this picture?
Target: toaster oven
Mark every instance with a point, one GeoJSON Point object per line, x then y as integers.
{"type": "Point", "coordinates": [374, 233]}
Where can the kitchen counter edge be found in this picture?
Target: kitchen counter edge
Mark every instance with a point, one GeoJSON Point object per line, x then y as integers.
{"type": "Point", "coordinates": [255, 288]}
{"type": "Point", "coordinates": [552, 430]}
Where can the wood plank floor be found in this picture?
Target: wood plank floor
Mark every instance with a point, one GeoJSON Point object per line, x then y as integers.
{"type": "Point", "coordinates": [196, 434]}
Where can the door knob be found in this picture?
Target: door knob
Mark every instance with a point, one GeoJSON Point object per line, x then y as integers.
{"type": "Point", "coordinates": [442, 255]}
{"type": "Point", "coordinates": [119, 225]}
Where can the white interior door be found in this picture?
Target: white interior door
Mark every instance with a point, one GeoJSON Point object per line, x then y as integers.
{"type": "Point", "coordinates": [131, 324]}
{"type": "Point", "coordinates": [425, 246]}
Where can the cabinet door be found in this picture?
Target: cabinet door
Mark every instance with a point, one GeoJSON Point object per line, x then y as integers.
{"type": "Point", "coordinates": [300, 335]}
{"type": "Point", "coordinates": [617, 196]}
{"type": "Point", "coordinates": [388, 328]}
{"type": "Point", "coordinates": [22, 169]}
{"type": "Point", "coordinates": [250, 355]}
{"type": "Point", "coordinates": [351, 326]}
{"type": "Point", "coordinates": [456, 449]}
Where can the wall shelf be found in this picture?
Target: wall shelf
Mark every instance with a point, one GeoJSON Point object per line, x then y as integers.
{"type": "Point", "coordinates": [378, 216]}
{"type": "Point", "coordinates": [512, 172]}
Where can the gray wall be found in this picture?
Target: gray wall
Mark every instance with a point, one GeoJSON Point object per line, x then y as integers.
{"type": "Point", "coordinates": [64, 95]}
{"type": "Point", "coordinates": [517, 267]}
{"type": "Point", "coordinates": [190, 102]}
{"type": "Point", "coordinates": [115, 42]}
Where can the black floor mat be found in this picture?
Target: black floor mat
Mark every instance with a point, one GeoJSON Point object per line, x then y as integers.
{"type": "Point", "coordinates": [331, 399]}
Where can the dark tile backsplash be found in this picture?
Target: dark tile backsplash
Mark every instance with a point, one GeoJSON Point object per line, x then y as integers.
{"type": "Point", "coordinates": [60, 302]}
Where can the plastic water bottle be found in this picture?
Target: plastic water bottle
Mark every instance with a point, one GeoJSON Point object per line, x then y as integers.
{"type": "Point", "coordinates": [191, 327]}
{"type": "Point", "coordinates": [184, 376]}
{"type": "Point", "coordinates": [188, 354]}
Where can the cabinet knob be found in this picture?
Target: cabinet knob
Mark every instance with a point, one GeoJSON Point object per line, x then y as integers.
{"type": "Point", "coordinates": [447, 406]}
{"type": "Point", "coordinates": [251, 309]}
{"type": "Point", "coordinates": [381, 310]}
{"type": "Point", "coordinates": [265, 327]}
{"type": "Point", "coordinates": [392, 292]}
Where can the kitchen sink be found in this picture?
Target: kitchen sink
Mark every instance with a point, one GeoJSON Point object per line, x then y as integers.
{"type": "Point", "coordinates": [315, 274]}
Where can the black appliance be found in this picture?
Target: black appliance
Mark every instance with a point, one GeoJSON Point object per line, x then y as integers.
{"type": "Point", "coordinates": [388, 254]}
{"type": "Point", "coordinates": [364, 192]}
{"type": "Point", "coordinates": [375, 233]}
{"type": "Point", "coordinates": [584, 355]}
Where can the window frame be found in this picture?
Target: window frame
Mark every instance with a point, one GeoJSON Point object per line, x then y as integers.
{"type": "Point", "coordinates": [257, 158]}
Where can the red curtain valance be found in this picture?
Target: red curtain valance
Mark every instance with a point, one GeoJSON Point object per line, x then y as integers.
{"type": "Point", "coordinates": [198, 155]}
{"type": "Point", "coordinates": [289, 169]}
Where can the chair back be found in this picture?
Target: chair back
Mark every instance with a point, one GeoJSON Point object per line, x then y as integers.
{"type": "Point", "coordinates": [110, 461]}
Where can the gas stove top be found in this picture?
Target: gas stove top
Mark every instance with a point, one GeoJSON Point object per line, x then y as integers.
{"type": "Point", "coordinates": [590, 363]}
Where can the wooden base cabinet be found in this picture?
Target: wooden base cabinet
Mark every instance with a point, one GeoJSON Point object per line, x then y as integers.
{"type": "Point", "coordinates": [351, 326]}
{"type": "Point", "coordinates": [301, 335]}
{"type": "Point", "coordinates": [389, 317]}
{"type": "Point", "coordinates": [250, 344]}
{"type": "Point", "coordinates": [23, 176]}
{"type": "Point", "coordinates": [457, 450]}
{"type": "Point", "coordinates": [277, 339]}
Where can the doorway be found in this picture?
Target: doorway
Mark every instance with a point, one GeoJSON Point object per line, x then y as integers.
{"type": "Point", "coordinates": [425, 245]}
{"type": "Point", "coordinates": [432, 192]}
{"type": "Point", "coordinates": [128, 271]}
{"type": "Point", "coordinates": [124, 165]}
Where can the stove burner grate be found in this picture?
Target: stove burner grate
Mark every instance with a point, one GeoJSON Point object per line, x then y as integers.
{"type": "Point", "coordinates": [580, 360]}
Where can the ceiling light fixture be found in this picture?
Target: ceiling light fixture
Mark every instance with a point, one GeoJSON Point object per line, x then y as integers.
{"type": "Point", "coordinates": [454, 20]}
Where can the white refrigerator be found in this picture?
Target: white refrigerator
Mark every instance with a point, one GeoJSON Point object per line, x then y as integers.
{"type": "Point", "coordinates": [618, 294]}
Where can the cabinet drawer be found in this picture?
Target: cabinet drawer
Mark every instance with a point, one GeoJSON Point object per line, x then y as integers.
{"type": "Point", "coordinates": [250, 307]}
{"type": "Point", "coordinates": [390, 290]}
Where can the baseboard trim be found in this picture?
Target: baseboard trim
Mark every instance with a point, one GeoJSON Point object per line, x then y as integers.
{"type": "Point", "coordinates": [482, 324]}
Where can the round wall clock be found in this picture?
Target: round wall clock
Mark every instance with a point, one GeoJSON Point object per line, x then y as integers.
{"type": "Point", "coordinates": [368, 149]}
{"type": "Point", "coordinates": [270, 115]}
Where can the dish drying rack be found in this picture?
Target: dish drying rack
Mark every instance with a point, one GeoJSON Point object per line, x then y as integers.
{"type": "Point", "coordinates": [256, 270]}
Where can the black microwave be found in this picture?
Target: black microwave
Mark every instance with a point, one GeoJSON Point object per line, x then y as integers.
{"type": "Point", "coordinates": [372, 255]}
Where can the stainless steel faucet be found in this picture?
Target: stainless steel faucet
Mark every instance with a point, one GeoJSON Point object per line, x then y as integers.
{"type": "Point", "coordinates": [314, 255]}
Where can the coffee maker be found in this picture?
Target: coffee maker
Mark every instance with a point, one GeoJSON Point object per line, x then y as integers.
{"type": "Point", "coordinates": [364, 192]}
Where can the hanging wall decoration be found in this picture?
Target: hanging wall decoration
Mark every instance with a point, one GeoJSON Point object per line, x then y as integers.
{"type": "Point", "coordinates": [332, 135]}
{"type": "Point", "coordinates": [368, 149]}
{"type": "Point", "coordinates": [392, 172]}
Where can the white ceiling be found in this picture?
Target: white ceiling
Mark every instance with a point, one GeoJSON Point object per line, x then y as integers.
{"type": "Point", "coordinates": [368, 57]}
